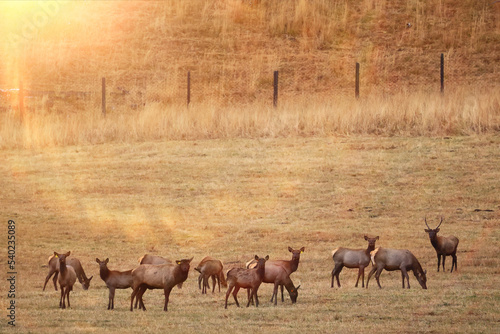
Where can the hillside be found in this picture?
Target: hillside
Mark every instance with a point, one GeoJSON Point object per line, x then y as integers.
{"type": "Point", "coordinates": [61, 50]}
{"type": "Point", "coordinates": [232, 46]}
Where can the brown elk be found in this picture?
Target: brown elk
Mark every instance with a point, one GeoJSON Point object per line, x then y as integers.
{"type": "Point", "coordinates": [246, 279]}
{"type": "Point", "coordinates": [352, 258]}
{"type": "Point", "coordinates": [162, 276]}
{"type": "Point", "coordinates": [274, 268]}
{"type": "Point", "coordinates": [444, 246]}
{"type": "Point", "coordinates": [71, 261]}
{"type": "Point", "coordinates": [67, 278]}
{"type": "Point", "coordinates": [396, 259]}
{"type": "Point", "coordinates": [210, 267]}
{"type": "Point", "coordinates": [114, 280]}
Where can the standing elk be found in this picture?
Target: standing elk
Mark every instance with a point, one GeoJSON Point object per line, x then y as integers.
{"type": "Point", "coordinates": [274, 268]}
{"type": "Point", "coordinates": [210, 267]}
{"type": "Point", "coordinates": [444, 246]}
{"type": "Point", "coordinates": [67, 278]}
{"type": "Point", "coordinates": [396, 259]}
{"type": "Point", "coordinates": [162, 276]}
{"type": "Point", "coordinates": [71, 261]}
{"type": "Point", "coordinates": [246, 279]}
{"type": "Point", "coordinates": [352, 258]}
{"type": "Point", "coordinates": [114, 280]}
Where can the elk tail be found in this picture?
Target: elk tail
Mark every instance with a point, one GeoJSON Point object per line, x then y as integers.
{"type": "Point", "coordinates": [334, 251]}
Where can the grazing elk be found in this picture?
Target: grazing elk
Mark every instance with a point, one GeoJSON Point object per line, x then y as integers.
{"type": "Point", "coordinates": [396, 259]}
{"type": "Point", "coordinates": [444, 246]}
{"type": "Point", "coordinates": [114, 280]}
{"type": "Point", "coordinates": [156, 259]}
{"type": "Point", "coordinates": [71, 261]}
{"type": "Point", "coordinates": [162, 276]}
{"type": "Point", "coordinates": [210, 267]}
{"type": "Point", "coordinates": [67, 278]}
{"type": "Point", "coordinates": [274, 268]}
{"type": "Point", "coordinates": [352, 258]}
{"type": "Point", "coordinates": [246, 279]}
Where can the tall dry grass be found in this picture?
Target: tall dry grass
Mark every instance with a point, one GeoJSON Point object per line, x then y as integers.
{"type": "Point", "coordinates": [460, 112]}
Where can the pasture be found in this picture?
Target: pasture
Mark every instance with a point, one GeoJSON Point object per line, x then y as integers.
{"type": "Point", "coordinates": [234, 198]}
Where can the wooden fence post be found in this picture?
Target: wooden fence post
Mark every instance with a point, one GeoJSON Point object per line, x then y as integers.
{"type": "Point", "coordinates": [21, 101]}
{"type": "Point", "coordinates": [189, 88]}
{"type": "Point", "coordinates": [442, 73]}
{"type": "Point", "coordinates": [356, 91]}
{"type": "Point", "coordinates": [275, 85]}
{"type": "Point", "coordinates": [103, 104]}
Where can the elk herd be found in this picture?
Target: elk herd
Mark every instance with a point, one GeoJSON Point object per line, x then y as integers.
{"type": "Point", "coordinates": [155, 272]}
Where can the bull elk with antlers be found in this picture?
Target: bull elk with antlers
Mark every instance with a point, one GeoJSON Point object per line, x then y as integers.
{"type": "Point", "coordinates": [444, 246]}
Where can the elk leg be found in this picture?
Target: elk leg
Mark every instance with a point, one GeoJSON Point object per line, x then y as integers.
{"type": "Point", "coordinates": [250, 298]}
{"type": "Point", "coordinates": [139, 299]}
{"type": "Point", "coordinates": [275, 294]}
{"type": "Point", "coordinates": [282, 298]}
{"type": "Point", "coordinates": [404, 274]}
{"type": "Point", "coordinates": [228, 292]}
{"type": "Point", "coordinates": [61, 299]}
{"type": "Point", "coordinates": [370, 275]}
{"type": "Point", "coordinates": [454, 262]}
{"type": "Point", "coordinates": [235, 295]}
{"type": "Point", "coordinates": [444, 258]}
{"type": "Point", "coordinates": [213, 283]}
{"type": "Point", "coordinates": [361, 271]}
{"type": "Point", "coordinates": [167, 296]}
{"type": "Point", "coordinates": [48, 278]}
{"type": "Point", "coordinates": [56, 275]}
{"type": "Point", "coordinates": [111, 298]}
{"type": "Point", "coordinates": [68, 290]}
{"type": "Point", "coordinates": [336, 272]}
{"type": "Point", "coordinates": [377, 276]}
{"type": "Point", "coordinates": [134, 295]}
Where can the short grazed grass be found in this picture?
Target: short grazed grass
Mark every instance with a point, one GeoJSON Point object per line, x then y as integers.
{"type": "Point", "coordinates": [236, 198]}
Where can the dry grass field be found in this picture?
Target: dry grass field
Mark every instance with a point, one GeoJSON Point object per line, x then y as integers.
{"type": "Point", "coordinates": [232, 177]}
{"type": "Point", "coordinates": [233, 199]}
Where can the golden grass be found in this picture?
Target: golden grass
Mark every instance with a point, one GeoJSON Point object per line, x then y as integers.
{"type": "Point", "coordinates": [236, 198]}
{"type": "Point", "coordinates": [461, 112]}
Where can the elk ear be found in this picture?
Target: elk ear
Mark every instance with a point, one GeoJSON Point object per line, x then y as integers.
{"type": "Point", "coordinates": [427, 230]}
{"type": "Point", "coordinates": [437, 230]}
{"type": "Point", "coordinates": [302, 249]}
{"type": "Point", "coordinates": [91, 278]}
{"type": "Point", "coordinates": [191, 259]}
{"type": "Point", "coordinates": [297, 288]}
{"type": "Point", "coordinates": [267, 257]}
{"type": "Point", "coordinates": [55, 254]}
{"type": "Point", "coordinates": [256, 257]}
{"type": "Point", "coordinates": [290, 249]}
{"type": "Point", "coordinates": [366, 237]}
{"type": "Point", "coordinates": [178, 262]}
{"type": "Point", "coordinates": [106, 261]}
{"type": "Point", "coordinates": [376, 238]}
{"type": "Point", "coordinates": [97, 260]}
{"type": "Point", "coordinates": [68, 254]}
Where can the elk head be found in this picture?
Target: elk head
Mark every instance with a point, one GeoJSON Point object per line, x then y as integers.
{"type": "Point", "coordinates": [432, 232]}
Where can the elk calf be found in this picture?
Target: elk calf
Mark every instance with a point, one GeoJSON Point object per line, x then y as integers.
{"type": "Point", "coordinates": [114, 280]}
{"type": "Point", "coordinates": [444, 246]}
{"type": "Point", "coordinates": [162, 276]}
{"type": "Point", "coordinates": [352, 258]}
{"type": "Point", "coordinates": [210, 267]}
{"type": "Point", "coordinates": [396, 259]}
{"type": "Point", "coordinates": [70, 261]}
{"type": "Point", "coordinates": [247, 279]}
{"type": "Point", "coordinates": [274, 268]}
{"type": "Point", "coordinates": [67, 278]}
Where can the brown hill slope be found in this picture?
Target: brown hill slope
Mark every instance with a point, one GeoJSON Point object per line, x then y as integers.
{"type": "Point", "coordinates": [232, 46]}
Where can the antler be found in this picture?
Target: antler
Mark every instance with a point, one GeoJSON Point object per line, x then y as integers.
{"type": "Point", "coordinates": [440, 222]}
{"type": "Point", "coordinates": [425, 220]}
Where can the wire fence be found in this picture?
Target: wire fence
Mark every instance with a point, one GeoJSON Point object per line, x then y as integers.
{"type": "Point", "coordinates": [234, 86]}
